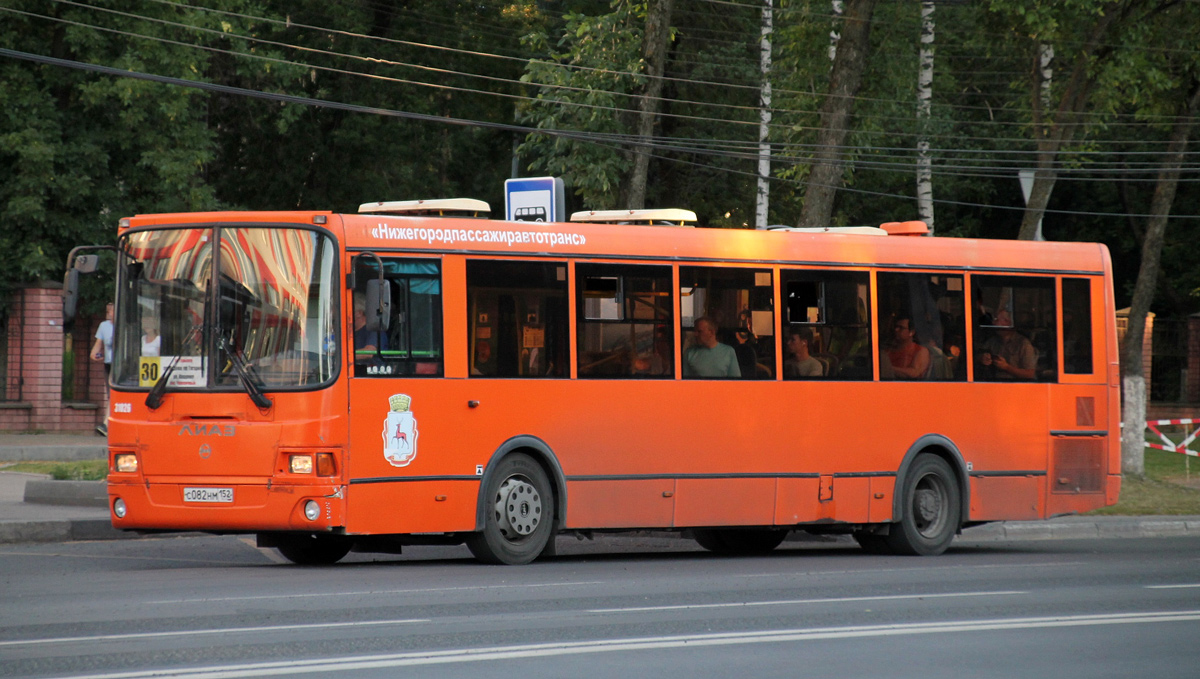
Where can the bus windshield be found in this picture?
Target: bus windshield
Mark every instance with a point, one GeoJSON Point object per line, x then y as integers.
{"type": "Point", "coordinates": [223, 305]}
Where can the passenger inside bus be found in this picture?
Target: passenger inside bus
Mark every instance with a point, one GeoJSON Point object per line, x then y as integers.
{"type": "Point", "coordinates": [1006, 354]}
{"type": "Point", "coordinates": [483, 363]}
{"type": "Point", "coordinates": [151, 340]}
{"type": "Point", "coordinates": [707, 357]}
{"type": "Point", "coordinates": [906, 359]}
{"type": "Point", "coordinates": [800, 363]}
{"type": "Point", "coordinates": [745, 345]}
{"type": "Point", "coordinates": [658, 361]}
{"type": "Point", "coordinates": [369, 340]}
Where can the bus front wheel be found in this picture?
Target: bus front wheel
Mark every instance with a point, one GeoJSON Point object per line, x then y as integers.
{"type": "Point", "coordinates": [313, 549]}
{"type": "Point", "coordinates": [519, 511]}
{"type": "Point", "coordinates": [932, 509]}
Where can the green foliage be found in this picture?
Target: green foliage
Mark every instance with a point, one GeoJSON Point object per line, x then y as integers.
{"type": "Point", "coordinates": [585, 83]}
{"type": "Point", "coordinates": [79, 150]}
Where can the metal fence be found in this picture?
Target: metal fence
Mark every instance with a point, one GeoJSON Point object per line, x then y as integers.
{"type": "Point", "coordinates": [1169, 361]}
{"type": "Point", "coordinates": [12, 318]}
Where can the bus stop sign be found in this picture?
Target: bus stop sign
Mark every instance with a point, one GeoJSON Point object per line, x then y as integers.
{"type": "Point", "coordinates": [534, 199]}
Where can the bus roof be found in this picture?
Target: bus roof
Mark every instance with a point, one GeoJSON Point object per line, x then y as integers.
{"type": "Point", "coordinates": [485, 237]}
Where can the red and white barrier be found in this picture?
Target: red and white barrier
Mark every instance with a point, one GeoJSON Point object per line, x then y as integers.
{"type": "Point", "coordinates": [1169, 445]}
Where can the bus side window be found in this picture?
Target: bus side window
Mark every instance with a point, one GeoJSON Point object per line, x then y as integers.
{"type": "Point", "coordinates": [1077, 326]}
{"type": "Point", "coordinates": [411, 344]}
{"type": "Point", "coordinates": [624, 321]}
{"type": "Point", "coordinates": [517, 318]}
{"type": "Point", "coordinates": [830, 312]}
{"type": "Point", "coordinates": [922, 326]}
{"type": "Point", "coordinates": [741, 302]}
{"type": "Point", "coordinates": [1015, 336]}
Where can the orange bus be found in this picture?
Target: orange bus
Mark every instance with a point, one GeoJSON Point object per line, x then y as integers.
{"type": "Point", "coordinates": [409, 375]}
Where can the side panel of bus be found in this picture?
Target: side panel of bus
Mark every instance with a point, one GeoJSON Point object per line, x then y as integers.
{"type": "Point", "coordinates": [683, 453]}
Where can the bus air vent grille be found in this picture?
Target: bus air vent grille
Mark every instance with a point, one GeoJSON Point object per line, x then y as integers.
{"type": "Point", "coordinates": [1078, 465]}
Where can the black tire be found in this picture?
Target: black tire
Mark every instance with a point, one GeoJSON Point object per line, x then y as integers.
{"type": "Point", "coordinates": [932, 503]}
{"type": "Point", "coordinates": [519, 516]}
{"type": "Point", "coordinates": [872, 543]}
{"type": "Point", "coordinates": [739, 541]}
{"type": "Point", "coordinates": [313, 549]}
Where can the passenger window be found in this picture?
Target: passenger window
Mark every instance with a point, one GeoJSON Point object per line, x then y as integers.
{"type": "Point", "coordinates": [827, 325]}
{"type": "Point", "coordinates": [624, 321]}
{"type": "Point", "coordinates": [1015, 329]}
{"type": "Point", "coordinates": [1077, 326]}
{"type": "Point", "coordinates": [517, 319]}
{"type": "Point", "coordinates": [922, 327]}
{"type": "Point", "coordinates": [730, 313]}
{"type": "Point", "coordinates": [411, 343]}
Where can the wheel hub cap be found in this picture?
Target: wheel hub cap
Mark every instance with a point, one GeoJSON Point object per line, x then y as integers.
{"type": "Point", "coordinates": [518, 507]}
{"type": "Point", "coordinates": [928, 505]}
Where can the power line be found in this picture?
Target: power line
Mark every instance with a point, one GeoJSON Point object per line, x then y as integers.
{"type": "Point", "coordinates": [321, 103]}
{"type": "Point", "coordinates": [539, 100]}
{"type": "Point", "coordinates": [754, 88]}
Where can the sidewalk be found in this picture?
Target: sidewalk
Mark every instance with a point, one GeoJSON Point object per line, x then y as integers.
{"type": "Point", "coordinates": [35, 509]}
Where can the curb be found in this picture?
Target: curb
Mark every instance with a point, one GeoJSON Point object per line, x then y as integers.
{"type": "Point", "coordinates": [58, 453]}
{"type": "Point", "coordinates": [67, 493]}
{"type": "Point", "coordinates": [61, 531]}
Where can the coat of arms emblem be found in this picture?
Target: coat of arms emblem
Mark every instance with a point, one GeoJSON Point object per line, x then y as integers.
{"type": "Point", "coordinates": [400, 431]}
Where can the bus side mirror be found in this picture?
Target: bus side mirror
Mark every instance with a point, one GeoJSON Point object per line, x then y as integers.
{"type": "Point", "coordinates": [70, 296]}
{"type": "Point", "coordinates": [87, 263]}
{"type": "Point", "coordinates": [379, 301]}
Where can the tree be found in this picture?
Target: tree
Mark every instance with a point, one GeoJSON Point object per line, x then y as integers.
{"type": "Point", "coordinates": [587, 79]}
{"type": "Point", "coordinates": [1132, 371]}
{"type": "Point", "coordinates": [849, 62]}
{"type": "Point", "coordinates": [655, 43]}
{"type": "Point", "coordinates": [924, 104]}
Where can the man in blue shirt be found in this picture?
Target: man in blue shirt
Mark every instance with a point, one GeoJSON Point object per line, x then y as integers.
{"type": "Point", "coordinates": [708, 357]}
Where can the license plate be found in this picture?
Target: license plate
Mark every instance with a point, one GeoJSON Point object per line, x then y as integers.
{"type": "Point", "coordinates": [208, 495]}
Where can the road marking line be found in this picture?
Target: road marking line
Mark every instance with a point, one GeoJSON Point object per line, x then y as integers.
{"type": "Point", "coordinates": [972, 567]}
{"type": "Point", "coordinates": [1171, 586]}
{"type": "Point", "coordinates": [392, 660]}
{"type": "Point", "coordinates": [373, 592]}
{"type": "Point", "coordinates": [198, 632]}
{"type": "Point", "coordinates": [785, 602]}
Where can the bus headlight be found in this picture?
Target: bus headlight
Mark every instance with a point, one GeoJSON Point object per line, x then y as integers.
{"type": "Point", "coordinates": [301, 464]}
{"type": "Point", "coordinates": [312, 511]}
{"type": "Point", "coordinates": [125, 462]}
{"type": "Point", "coordinates": [119, 508]}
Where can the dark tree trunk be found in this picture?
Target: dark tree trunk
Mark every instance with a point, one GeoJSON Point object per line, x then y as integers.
{"type": "Point", "coordinates": [1132, 373]}
{"type": "Point", "coordinates": [848, 65]}
{"type": "Point", "coordinates": [654, 51]}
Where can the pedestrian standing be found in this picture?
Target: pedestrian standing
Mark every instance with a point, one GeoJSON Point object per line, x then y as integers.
{"type": "Point", "coordinates": [102, 350]}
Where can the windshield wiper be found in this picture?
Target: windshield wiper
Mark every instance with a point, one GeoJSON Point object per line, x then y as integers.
{"type": "Point", "coordinates": [246, 374]}
{"type": "Point", "coordinates": [154, 399]}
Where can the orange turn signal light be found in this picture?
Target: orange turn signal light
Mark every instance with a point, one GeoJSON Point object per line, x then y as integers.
{"type": "Point", "coordinates": [326, 466]}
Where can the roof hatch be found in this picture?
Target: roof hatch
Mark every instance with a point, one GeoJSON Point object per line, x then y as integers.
{"type": "Point", "coordinates": [439, 207]}
{"type": "Point", "coordinates": [662, 217]}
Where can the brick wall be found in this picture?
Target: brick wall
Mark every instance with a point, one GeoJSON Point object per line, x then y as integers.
{"type": "Point", "coordinates": [35, 368]}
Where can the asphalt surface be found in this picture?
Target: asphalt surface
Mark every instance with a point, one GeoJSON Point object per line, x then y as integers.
{"type": "Point", "coordinates": [36, 509]}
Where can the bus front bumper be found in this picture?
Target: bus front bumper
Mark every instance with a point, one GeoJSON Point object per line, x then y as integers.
{"type": "Point", "coordinates": [238, 507]}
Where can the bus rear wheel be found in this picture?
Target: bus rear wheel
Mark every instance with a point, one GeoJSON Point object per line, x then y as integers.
{"type": "Point", "coordinates": [519, 516]}
{"type": "Point", "coordinates": [932, 505]}
{"type": "Point", "coordinates": [734, 541]}
{"type": "Point", "coordinates": [313, 549]}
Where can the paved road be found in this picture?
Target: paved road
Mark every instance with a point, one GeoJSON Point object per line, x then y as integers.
{"type": "Point", "coordinates": [616, 608]}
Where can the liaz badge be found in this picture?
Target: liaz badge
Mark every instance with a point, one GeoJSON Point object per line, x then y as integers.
{"type": "Point", "coordinates": [400, 431]}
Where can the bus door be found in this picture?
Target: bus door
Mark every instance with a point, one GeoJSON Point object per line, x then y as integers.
{"type": "Point", "coordinates": [395, 394]}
